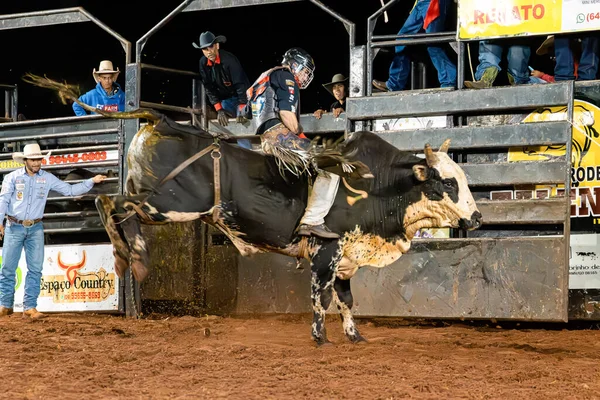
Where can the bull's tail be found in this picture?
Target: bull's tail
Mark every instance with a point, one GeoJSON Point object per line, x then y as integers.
{"type": "Point", "coordinates": [69, 92]}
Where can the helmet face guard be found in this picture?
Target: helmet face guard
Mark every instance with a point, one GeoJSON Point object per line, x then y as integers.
{"type": "Point", "coordinates": [303, 75]}
{"type": "Point", "coordinates": [301, 65]}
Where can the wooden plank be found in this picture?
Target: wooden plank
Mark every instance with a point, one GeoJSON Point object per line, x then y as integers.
{"type": "Point", "coordinates": [421, 103]}
{"type": "Point", "coordinates": [521, 278]}
{"type": "Point", "coordinates": [515, 173]}
{"type": "Point", "coordinates": [530, 211]}
{"type": "Point", "coordinates": [472, 137]}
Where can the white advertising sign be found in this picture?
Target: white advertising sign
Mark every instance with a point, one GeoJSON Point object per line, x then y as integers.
{"type": "Point", "coordinates": [74, 278]}
{"type": "Point", "coordinates": [397, 124]}
{"type": "Point", "coordinates": [584, 266]}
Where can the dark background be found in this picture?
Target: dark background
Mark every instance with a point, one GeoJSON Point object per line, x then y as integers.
{"type": "Point", "coordinates": [257, 35]}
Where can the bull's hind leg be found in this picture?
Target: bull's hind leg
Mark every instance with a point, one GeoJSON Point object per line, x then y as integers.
{"type": "Point", "coordinates": [106, 208]}
{"type": "Point", "coordinates": [138, 251]}
{"type": "Point", "coordinates": [344, 301]}
{"type": "Point", "coordinates": [323, 275]}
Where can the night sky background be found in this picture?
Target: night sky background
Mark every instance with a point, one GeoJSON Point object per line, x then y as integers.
{"type": "Point", "coordinates": [257, 35]}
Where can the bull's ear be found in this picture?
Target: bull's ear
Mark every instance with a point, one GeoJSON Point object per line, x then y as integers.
{"type": "Point", "coordinates": [421, 172]}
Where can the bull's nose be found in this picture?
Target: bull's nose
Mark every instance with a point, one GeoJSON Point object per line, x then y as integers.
{"type": "Point", "coordinates": [473, 223]}
{"type": "Point", "coordinates": [476, 219]}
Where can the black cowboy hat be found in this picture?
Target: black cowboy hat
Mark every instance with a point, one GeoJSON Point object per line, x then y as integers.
{"type": "Point", "coordinates": [337, 78]}
{"type": "Point", "coordinates": [208, 39]}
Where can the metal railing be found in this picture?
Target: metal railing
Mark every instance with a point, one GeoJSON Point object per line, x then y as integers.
{"type": "Point", "coordinates": [375, 42]}
{"type": "Point", "coordinates": [10, 102]}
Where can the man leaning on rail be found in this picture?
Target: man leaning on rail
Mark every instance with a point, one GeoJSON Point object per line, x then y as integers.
{"type": "Point", "coordinates": [22, 200]}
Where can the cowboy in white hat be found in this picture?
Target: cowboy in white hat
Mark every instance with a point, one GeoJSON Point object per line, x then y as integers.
{"type": "Point", "coordinates": [107, 95]}
{"type": "Point", "coordinates": [338, 87]}
{"type": "Point", "coordinates": [22, 201]}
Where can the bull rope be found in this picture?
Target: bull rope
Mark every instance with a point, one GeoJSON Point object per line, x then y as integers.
{"type": "Point", "coordinates": [215, 153]}
{"type": "Point", "coordinates": [350, 199]}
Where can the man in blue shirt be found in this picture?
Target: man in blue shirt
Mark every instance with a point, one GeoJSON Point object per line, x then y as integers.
{"type": "Point", "coordinates": [22, 201]}
{"type": "Point", "coordinates": [107, 95]}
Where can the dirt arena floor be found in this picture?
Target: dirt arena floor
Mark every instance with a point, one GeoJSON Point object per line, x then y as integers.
{"type": "Point", "coordinates": [71, 356]}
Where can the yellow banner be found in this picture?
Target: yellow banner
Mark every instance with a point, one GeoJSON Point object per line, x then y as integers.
{"type": "Point", "coordinates": [585, 159]}
{"type": "Point", "coordinates": [485, 19]}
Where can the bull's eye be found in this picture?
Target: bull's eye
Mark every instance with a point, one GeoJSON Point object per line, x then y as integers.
{"type": "Point", "coordinates": [448, 183]}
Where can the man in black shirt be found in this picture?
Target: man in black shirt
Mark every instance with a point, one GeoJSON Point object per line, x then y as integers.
{"type": "Point", "coordinates": [338, 87]}
{"type": "Point", "coordinates": [224, 80]}
{"type": "Point", "coordinates": [275, 98]}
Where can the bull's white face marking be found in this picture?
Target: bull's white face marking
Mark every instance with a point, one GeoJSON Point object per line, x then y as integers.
{"type": "Point", "coordinates": [447, 168]}
{"type": "Point", "coordinates": [431, 214]}
{"type": "Point", "coordinates": [367, 250]}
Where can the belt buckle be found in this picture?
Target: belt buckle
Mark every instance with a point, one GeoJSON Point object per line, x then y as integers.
{"type": "Point", "coordinates": [27, 223]}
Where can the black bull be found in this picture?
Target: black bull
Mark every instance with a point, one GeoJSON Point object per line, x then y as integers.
{"type": "Point", "coordinates": [259, 209]}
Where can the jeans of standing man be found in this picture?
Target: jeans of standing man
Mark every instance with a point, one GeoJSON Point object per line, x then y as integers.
{"type": "Point", "coordinates": [400, 67]}
{"type": "Point", "coordinates": [490, 55]}
{"type": "Point", "coordinates": [588, 63]}
{"type": "Point", "coordinates": [231, 106]}
{"type": "Point", "coordinates": [15, 238]}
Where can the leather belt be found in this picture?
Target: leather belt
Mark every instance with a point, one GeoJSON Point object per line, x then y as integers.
{"type": "Point", "coordinates": [26, 223]}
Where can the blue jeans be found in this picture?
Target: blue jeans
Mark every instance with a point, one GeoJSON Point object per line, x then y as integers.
{"type": "Point", "coordinates": [490, 55]}
{"type": "Point", "coordinates": [400, 67]}
{"type": "Point", "coordinates": [565, 67]}
{"type": "Point", "coordinates": [231, 106]}
{"type": "Point", "coordinates": [15, 238]}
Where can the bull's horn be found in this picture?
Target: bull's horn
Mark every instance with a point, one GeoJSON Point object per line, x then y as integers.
{"type": "Point", "coordinates": [429, 156]}
{"type": "Point", "coordinates": [445, 146]}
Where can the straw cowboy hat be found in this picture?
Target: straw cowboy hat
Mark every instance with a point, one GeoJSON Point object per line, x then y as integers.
{"type": "Point", "coordinates": [547, 45]}
{"type": "Point", "coordinates": [30, 151]}
{"type": "Point", "coordinates": [106, 67]}
{"type": "Point", "coordinates": [337, 78]}
{"type": "Point", "coordinates": [208, 39]}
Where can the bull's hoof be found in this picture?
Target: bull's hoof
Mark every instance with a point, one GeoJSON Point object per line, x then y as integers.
{"type": "Point", "coordinates": [358, 339]}
{"type": "Point", "coordinates": [322, 342]}
{"type": "Point", "coordinates": [140, 272]}
{"type": "Point", "coordinates": [121, 265]}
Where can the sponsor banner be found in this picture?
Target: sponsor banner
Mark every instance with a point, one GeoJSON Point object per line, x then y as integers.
{"type": "Point", "coordinates": [484, 19]}
{"type": "Point", "coordinates": [67, 159]}
{"type": "Point", "coordinates": [74, 278]}
{"type": "Point", "coordinates": [584, 267]}
{"type": "Point", "coordinates": [585, 159]}
{"type": "Point", "coordinates": [398, 124]}
{"type": "Point", "coordinates": [584, 271]}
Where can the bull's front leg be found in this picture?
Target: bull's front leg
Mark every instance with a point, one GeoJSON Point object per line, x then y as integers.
{"type": "Point", "coordinates": [323, 268]}
{"type": "Point", "coordinates": [344, 302]}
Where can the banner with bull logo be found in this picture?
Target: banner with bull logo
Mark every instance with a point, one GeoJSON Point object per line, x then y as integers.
{"type": "Point", "coordinates": [74, 278]}
{"type": "Point", "coordinates": [585, 186]}
{"type": "Point", "coordinates": [485, 19]}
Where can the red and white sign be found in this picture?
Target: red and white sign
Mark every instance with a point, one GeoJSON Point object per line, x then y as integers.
{"type": "Point", "coordinates": [74, 278]}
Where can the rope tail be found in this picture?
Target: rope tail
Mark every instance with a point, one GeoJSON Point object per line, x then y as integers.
{"type": "Point", "coordinates": [353, 199]}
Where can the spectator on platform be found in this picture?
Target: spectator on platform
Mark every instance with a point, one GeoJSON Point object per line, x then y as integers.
{"type": "Point", "coordinates": [22, 201]}
{"type": "Point", "coordinates": [338, 87]}
{"type": "Point", "coordinates": [107, 95]}
{"type": "Point", "coordinates": [429, 15]}
{"type": "Point", "coordinates": [224, 80]}
{"type": "Point", "coordinates": [490, 55]}
{"type": "Point", "coordinates": [576, 57]}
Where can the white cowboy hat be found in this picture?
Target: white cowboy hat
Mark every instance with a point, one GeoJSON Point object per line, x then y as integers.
{"type": "Point", "coordinates": [31, 151]}
{"type": "Point", "coordinates": [106, 67]}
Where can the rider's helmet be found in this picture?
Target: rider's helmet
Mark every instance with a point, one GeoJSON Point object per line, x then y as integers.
{"type": "Point", "coordinates": [301, 64]}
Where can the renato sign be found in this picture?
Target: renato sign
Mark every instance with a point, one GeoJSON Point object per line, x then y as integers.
{"type": "Point", "coordinates": [485, 19]}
